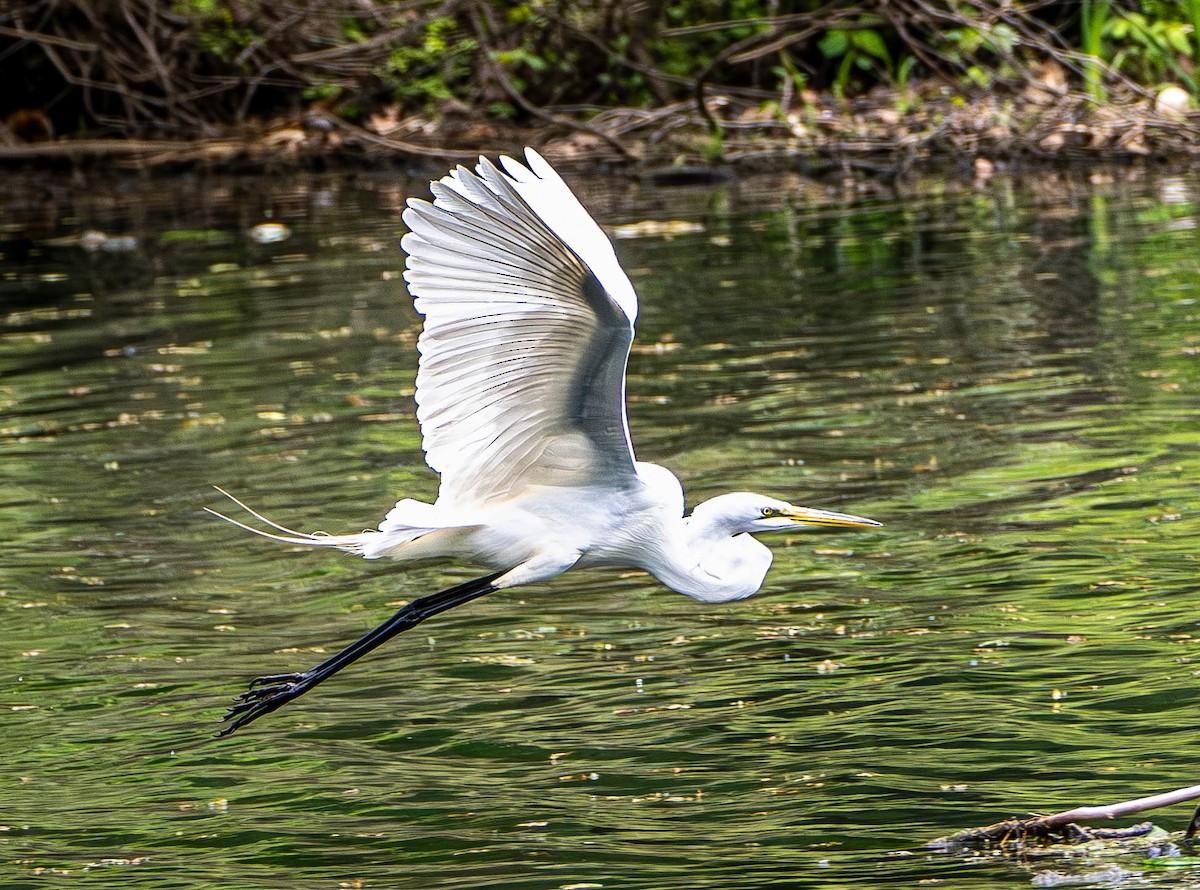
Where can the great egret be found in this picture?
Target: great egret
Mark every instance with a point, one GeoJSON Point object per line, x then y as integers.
{"type": "Point", "coordinates": [521, 401]}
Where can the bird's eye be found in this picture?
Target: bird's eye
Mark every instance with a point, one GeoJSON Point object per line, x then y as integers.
{"type": "Point", "coordinates": [768, 512]}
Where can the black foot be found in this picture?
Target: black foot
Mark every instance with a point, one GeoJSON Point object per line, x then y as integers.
{"type": "Point", "coordinates": [265, 695]}
{"type": "Point", "coordinates": [273, 691]}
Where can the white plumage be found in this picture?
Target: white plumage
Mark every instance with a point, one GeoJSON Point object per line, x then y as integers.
{"type": "Point", "coordinates": [521, 401]}
{"type": "Point", "coordinates": [523, 352]}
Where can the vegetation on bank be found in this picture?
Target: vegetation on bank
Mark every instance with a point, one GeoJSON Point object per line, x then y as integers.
{"type": "Point", "coordinates": [661, 79]}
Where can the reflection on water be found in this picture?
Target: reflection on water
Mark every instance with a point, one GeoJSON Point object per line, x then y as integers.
{"type": "Point", "coordinates": [1008, 378]}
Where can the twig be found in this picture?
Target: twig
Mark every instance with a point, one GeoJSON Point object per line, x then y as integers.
{"type": "Point", "coordinates": [497, 72]}
{"type": "Point", "coordinates": [383, 39]}
{"type": "Point", "coordinates": [1125, 808]}
{"type": "Point", "coordinates": [96, 148]}
{"type": "Point", "coordinates": [777, 21]}
{"type": "Point", "coordinates": [753, 47]}
{"type": "Point", "coordinates": [48, 39]}
{"type": "Point", "coordinates": [1045, 826]}
{"type": "Point", "coordinates": [407, 147]}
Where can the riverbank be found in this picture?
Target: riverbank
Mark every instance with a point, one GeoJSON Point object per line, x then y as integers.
{"type": "Point", "coordinates": [883, 134]}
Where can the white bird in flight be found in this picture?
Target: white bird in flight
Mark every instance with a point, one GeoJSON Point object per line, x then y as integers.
{"type": "Point", "coordinates": [521, 401]}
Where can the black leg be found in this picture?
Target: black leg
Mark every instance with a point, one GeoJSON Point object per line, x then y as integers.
{"type": "Point", "coordinates": [268, 693]}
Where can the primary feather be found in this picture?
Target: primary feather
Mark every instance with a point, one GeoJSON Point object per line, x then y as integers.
{"type": "Point", "coordinates": [528, 322]}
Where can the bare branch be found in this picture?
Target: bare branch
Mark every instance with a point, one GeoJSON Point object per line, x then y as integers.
{"type": "Point", "coordinates": [1047, 826]}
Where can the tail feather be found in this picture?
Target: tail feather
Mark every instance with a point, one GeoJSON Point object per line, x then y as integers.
{"type": "Point", "coordinates": [404, 523]}
{"type": "Point", "coordinates": [348, 543]}
{"type": "Point", "coordinates": [256, 515]}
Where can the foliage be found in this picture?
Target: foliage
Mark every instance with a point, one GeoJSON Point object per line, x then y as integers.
{"type": "Point", "coordinates": [217, 32]}
{"type": "Point", "coordinates": [1093, 16]}
{"type": "Point", "coordinates": [1149, 49]}
{"type": "Point", "coordinates": [862, 48]}
{"type": "Point", "coordinates": [140, 67]}
{"type": "Point", "coordinates": [432, 66]}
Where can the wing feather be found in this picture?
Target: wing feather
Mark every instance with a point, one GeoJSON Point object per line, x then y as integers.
{"type": "Point", "coordinates": [528, 322]}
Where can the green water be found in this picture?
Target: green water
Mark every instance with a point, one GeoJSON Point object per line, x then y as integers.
{"type": "Point", "coordinates": [1008, 377]}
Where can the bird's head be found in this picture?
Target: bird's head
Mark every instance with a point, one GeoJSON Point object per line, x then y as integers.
{"type": "Point", "coordinates": [744, 511]}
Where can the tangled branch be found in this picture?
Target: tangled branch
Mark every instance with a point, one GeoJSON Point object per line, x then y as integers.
{"type": "Point", "coordinates": [394, 73]}
{"type": "Point", "coordinates": [1066, 823]}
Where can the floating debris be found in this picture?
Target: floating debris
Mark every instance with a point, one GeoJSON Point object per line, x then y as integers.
{"type": "Point", "coordinates": [656, 228]}
{"type": "Point", "coordinates": [94, 240]}
{"type": "Point", "coordinates": [269, 233]}
{"type": "Point", "coordinates": [1172, 101]}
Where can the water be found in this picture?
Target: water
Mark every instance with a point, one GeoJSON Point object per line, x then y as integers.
{"type": "Point", "coordinates": [1008, 377]}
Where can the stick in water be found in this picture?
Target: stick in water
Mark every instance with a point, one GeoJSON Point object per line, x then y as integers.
{"type": "Point", "coordinates": [1042, 826]}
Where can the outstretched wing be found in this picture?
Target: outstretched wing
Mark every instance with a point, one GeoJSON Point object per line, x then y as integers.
{"type": "Point", "coordinates": [528, 322]}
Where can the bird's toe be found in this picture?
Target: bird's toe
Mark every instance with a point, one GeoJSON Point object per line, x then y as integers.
{"type": "Point", "coordinates": [262, 693]}
{"type": "Point", "coordinates": [265, 695]}
{"type": "Point", "coordinates": [275, 679]}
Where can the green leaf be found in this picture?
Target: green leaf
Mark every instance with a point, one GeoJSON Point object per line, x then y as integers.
{"type": "Point", "coordinates": [834, 44]}
{"type": "Point", "coordinates": [872, 44]}
{"type": "Point", "coordinates": [1173, 862]}
{"type": "Point", "coordinates": [1179, 40]}
{"type": "Point", "coordinates": [979, 76]}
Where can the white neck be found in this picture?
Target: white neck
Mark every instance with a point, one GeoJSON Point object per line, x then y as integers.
{"type": "Point", "coordinates": [712, 562]}
{"type": "Point", "coordinates": [707, 555]}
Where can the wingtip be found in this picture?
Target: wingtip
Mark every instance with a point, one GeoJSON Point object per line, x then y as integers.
{"type": "Point", "coordinates": [538, 165]}
{"type": "Point", "coordinates": [515, 169]}
{"type": "Point", "coordinates": [487, 169]}
{"type": "Point", "coordinates": [532, 166]}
